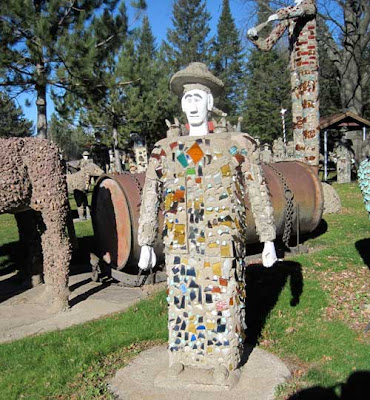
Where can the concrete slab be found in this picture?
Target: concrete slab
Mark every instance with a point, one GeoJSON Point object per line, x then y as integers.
{"type": "Point", "coordinates": [259, 377]}
{"type": "Point", "coordinates": [24, 314]}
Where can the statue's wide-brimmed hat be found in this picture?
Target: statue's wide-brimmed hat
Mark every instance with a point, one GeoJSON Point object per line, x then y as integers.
{"type": "Point", "coordinates": [85, 153]}
{"type": "Point", "coordinates": [196, 73]}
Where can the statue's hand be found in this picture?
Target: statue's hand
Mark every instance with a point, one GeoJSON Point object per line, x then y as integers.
{"type": "Point", "coordinates": [273, 17]}
{"type": "Point", "coordinates": [269, 254]}
{"type": "Point", "coordinates": [148, 258]}
{"type": "Point", "coordinates": [252, 33]}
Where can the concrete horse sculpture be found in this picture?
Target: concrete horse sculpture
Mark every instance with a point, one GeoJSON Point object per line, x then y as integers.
{"type": "Point", "coordinates": [33, 185]}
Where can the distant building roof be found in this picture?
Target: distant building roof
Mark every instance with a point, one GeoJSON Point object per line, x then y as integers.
{"type": "Point", "coordinates": [348, 119]}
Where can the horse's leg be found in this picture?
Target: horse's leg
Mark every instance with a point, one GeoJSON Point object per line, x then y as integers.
{"type": "Point", "coordinates": [56, 251]}
{"type": "Point", "coordinates": [30, 266]}
{"type": "Point", "coordinates": [49, 196]}
{"type": "Point", "coordinates": [79, 198]}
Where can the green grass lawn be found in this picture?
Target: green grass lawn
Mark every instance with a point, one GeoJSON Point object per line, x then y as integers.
{"type": "Point", "coordinates": [311, 311]}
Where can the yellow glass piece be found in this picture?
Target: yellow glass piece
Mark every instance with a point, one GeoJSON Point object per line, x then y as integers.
{"type": "Point", "coordinates": [225, 170]}
{"type": "Point", "coordinates": [216, 268]}
{"type": "Point", "coordinates": [207, 264]}
{"type": "Point", "coordinates": [201, 239]}
{"type": "Point", "coordinates": [195, 152]}
{"type": "Point", "coordinates": [225, 251]}
{"type": "Point", "coordinates": [209, 350]}
{"type": "Point", "coordinates": [169, 225]}
{"type": "Point", "coordinates": [227, 223]}
{"type": "Point", "coordinates": [179, 234]}
{"type": "Point", "coordinates": [210, 326]}
{"type": "Point", "coordinates": [168, 201]}
{"type": "Point", "coordinates": [212, 245]}
{"type": "Point", "coordinates": [191, 328]}
{"type": "Point", "coordinates": [192, 318]}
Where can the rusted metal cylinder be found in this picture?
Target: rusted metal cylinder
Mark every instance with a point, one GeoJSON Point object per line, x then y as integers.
{"type": "Point", "coordinates": [117, 197]}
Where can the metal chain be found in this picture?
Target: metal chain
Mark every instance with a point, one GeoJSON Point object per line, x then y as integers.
{"type": "Point", "coordinates": [288, 194]}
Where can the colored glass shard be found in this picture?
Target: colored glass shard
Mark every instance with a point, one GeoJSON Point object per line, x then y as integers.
{"type": "Point", "coordinates": [233, 150]}
{"type": "Point", "coordinates": [190, 171]}
{"type": "Point", "coordinates": [195, 152]}
{"type": "Point", "coordinates": [182, 160]}
{"type": "Point", "coordinates": [216, 268]}
{"type": "Point", "coordinates": [225, 170]}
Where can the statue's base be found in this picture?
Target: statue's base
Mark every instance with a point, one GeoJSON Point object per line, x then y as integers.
{"type": "Point", "coordinates": [195, 379]}
{"type": "Point", "coordinates": [147, 377]}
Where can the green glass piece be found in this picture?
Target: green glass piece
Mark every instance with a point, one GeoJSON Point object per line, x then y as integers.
{"type": "Point", "coordinates": [190, 171]}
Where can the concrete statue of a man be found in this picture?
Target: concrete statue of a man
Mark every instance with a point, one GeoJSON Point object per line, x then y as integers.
{"type": "Point", "coordinates": [202, 179]}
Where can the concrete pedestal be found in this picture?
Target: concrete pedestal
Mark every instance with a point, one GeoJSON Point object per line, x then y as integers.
{"type": "Point", "coordinates": [147, 377]}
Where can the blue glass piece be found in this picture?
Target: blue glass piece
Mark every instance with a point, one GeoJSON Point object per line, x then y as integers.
{"type": "Point", "coordinates": [191, 272]}
{"type": "Point", "coordinates": [201, 328]}
{"type": "Point", "coordinates": [193, 338]}
{"type": "Point", "coordinates": [176, 260]}
{"type": "Point", "coordinates": [192, 295]}
{"type": "Point", "coordinates": [183, 288]}
{"type": "Point", "coordinates": [233, 150]}
{"type": "Point", "coordinates": [221, 328]}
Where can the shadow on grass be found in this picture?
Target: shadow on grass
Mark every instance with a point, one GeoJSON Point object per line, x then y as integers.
{"type": "Point", "coordinates": [362, 246]}
{"type": "Point", "coordinates": [357, 387]}
{"type": "Point", "coordinates": [264, 286]}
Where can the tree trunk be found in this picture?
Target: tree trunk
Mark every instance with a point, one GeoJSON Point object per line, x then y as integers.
{"type": "Point", "coordinates": [117, 158]}
{"type": "Point", "coordinates": [42, 124]}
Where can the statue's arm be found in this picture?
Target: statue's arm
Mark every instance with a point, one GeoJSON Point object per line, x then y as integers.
{"type": "Point", "coordinates": [306, 8]}
{"type": "Point", "coordinates": [259, 197]}
{"type": "Point", "coordinates": [265, 44]}
{"type": "Point", "coordinates": [148, 220]}
{"type": "Point", "coordinates": [150, 200]}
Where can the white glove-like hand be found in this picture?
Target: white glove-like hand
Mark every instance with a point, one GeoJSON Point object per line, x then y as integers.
{"type": "Point", "coordinates": [269, 254]}
{"type": "Point", "coordinates": [252, 33]}
{"type": "Point", "coordinates": [273, 17]}
{"type": "Point", "coordinates": [148, 259]}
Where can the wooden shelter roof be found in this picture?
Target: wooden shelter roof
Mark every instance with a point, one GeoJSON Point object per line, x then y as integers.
{"type": "Point", "coordinates": [349, 120]}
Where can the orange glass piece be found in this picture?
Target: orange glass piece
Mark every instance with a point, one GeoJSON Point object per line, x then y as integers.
{"type": "Point", "coordinates": [179, 195]}
{"type": "Point", "coordinates": [223, 281]}
{"type": "Point", "coordinates": [216, 289]}
{"type": "Point", "coordinates": [195, 152]}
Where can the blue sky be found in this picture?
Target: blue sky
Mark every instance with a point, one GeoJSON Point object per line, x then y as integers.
{"type": "Point", "coordinates": [160, 16]}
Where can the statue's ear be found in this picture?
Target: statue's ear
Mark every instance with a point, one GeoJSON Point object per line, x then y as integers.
{"type": "Point", "coordinates": [182, 103]}
{"type": "Point", "coordinates": [210, 102]}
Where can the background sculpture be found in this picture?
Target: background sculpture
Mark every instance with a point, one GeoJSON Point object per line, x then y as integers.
{"type": "Point", "coordinates": [78, 184]}
{"type": "Point", "coordinates": [300, 21]}
{"type": "Point", "coordinates": [203, 179]}
{"type": "Point", "coordinates": [32, 177]}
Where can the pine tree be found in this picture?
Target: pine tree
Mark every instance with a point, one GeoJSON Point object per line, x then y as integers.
{"type": "Point", "coordinates": [147, 99]}
{"type": "Point", "coordinates": [71, 140]}
{"type": "Point", "coordinates": [268, 88]}
{"type": "Point", "coordinates": [12, 120]}
{"type": "Point", "coordinates": [228, 62]}
{"type": "Point", "coordinates": [50, 43]}
{"type": "Point", "coordinates": [187, 41]}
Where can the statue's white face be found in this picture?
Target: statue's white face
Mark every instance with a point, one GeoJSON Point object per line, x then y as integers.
{"type": "Point", "coordinates": [195, 104]}
{"type": "Point", "coordinates": [298, 2]}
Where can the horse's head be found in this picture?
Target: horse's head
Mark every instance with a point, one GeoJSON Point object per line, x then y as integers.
{"type": "Point", "coordinates": [93, 169]}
